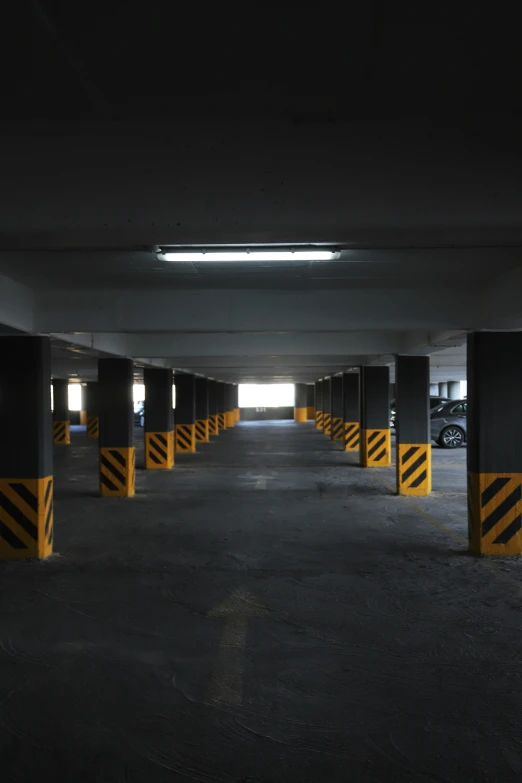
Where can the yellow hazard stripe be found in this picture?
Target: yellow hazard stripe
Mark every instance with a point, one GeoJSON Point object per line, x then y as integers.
{"type": "Point", "coordinates": [159, 450]}
{"type": "Point", "coordinates": [62, 433]}
{"type": "Point", "coordinates": [117, 472]}
{"type": "Point", "coordinates": [376, 448]}
{"type": "Point", "coordinates": [414, 469]}
{"type": "Point", "coordinates": [185, 438]}
{"type": "Point", "coordinates": [26, 518]}
{"type": "Point", "coordinates": [495, 513]}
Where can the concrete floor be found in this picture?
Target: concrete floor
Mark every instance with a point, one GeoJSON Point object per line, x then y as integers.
{"type": "Point", "coordinates": [267, 611]}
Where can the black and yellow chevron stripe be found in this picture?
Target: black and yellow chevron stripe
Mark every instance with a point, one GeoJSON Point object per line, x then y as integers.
{"type": "Point", "coordinates": [62, 433]}
{"type": "Point", "coordinates": [222, 424]}
{"type": "Point", "coordinates": [213, 428]}
{"type": "Point", "coordinates": [202, 430]}
{"type": "Point", "coordinates": [185, 438]}
{"type": "Point", "coordinates": [26, 518]}
{"type": "Point", "coordinates": [327, 423]}
{"type": "Point", "coordinates": [93, 427]}
{"type": "Point", "coordinates": [318, 420]}
{"type": "Point", "coordinates": [117, 472]}
{"type": "Point", "coordinates": [375, 448]}
{"type": "Point", "coordinates": [495, 513]}
{"type": "Point", "coordinates": [337, 429]}
{"type": "Point", "coordinates": [414, 469]}
{"type": "Point", "coordinates": [352, 435]}
{"type": "Point", "coordinates": [159, 450]}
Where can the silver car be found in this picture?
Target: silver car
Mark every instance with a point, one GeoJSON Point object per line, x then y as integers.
{"type": "Point", "coordinates": [449, 424]}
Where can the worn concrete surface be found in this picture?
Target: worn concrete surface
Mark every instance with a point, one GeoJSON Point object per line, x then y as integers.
{"type": "Point", "coordinates": [267, 611]}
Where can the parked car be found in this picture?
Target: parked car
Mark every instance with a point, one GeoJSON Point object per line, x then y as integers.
{"type": "Point", "coordinates": [139, 414]}
{"type": "Point", "coordinates": [434, 403]}
{"type": "Point", "coordinates": [449, 424]}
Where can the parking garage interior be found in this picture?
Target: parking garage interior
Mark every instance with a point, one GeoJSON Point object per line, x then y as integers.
{"type": "Point", "coordinates": [237, 540]}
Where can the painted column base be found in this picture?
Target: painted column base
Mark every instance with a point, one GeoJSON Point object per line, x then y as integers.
{"type": "Point", "coordinates": [83, 417]}
{"type": "Point", "coordinates": [376, 448]}
{"type": "Point", "coordinates": [62, 433]}
{"type": "Point", "coordinates": [338, 429]}
{"type": "Point", "coordinates": [495, 513]}
{"type": "Point", "coordinates": [202, 430]}
{"type": "Point", "coordinates": [222, 424]}
{"type": "Point", "coordinates": [93, 427]}
{"type": "Point", "coordinates": [185, 438]}
{"type": "Point", "coordinates": [213, 426]}
{"type": "Point", "coordinates": [414, 469]}
{"type": "Point", "coordinates": [237, 414]}
{"type": "Point", "coordinates": [352, 435]}
{"type": "Point", "coordinates": [230, 419]}
{"type": "Point", "coordinates": [310, 413]}
{"type": "Point", "coordinates": [300, 415]}
{"type": "Point", "coordinates": [26, 518]}
{"type": "Point", "coordinates": [117, 472]}
{"type": "Point", "coordinates": [159, 450]}
{"type": "Point", "coordinates": [327, 423]}
{"type": "Point", "coordinates": [319, 420]}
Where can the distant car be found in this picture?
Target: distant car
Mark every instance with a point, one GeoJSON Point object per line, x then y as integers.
{"type": "Point", "coordinates": [449, 424]}
{"type": "Point", "coordinates": [139, 414]}
{"type": "Point", "coordinates": [434, 402]}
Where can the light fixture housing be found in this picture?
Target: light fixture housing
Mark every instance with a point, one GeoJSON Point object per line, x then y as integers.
{"type": "Point", "coordinates": [266, 254]}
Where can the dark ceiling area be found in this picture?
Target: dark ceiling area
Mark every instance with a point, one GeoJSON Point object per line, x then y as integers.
{"type": "Point", "coordinates": [305, 63]}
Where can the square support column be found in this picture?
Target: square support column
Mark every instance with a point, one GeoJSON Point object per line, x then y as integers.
{"type": "Point", "coordinates": [337, 407]}
{"type": "Point", "coordinates": [26, 456]}
{"type": "Point", "coordinates": [91, 408]}
{"type": "Point", "coordinates": [116, 408]}
{"type": "Point", "coordinates": [159, 419]}
{"type": "Point", "coordinates": [351, 411]}
{"type": "Point", "coordinates": [412, 375]}
{"type": "Point", "coordinates": [310, 402]}
{"type": "Point", "coordinates": [494, 451]}
{"type": "Point", "coordinates": [202, 411]}
{"type": "Point", "coordinates": [221, 405]}
{"type": "Point", "coordinates": [375, 417]}
{"type": "Point", "coordinates": [185, 412]}
{"type": "Point", "coordinates": [300, 407]}
{"type": "Point", "coordinates": [61, 417]}
{"type": "Point", "coordinates": [213, 425]}
{"type": "Point", "coordinates": [327, 406]}
{"type": "Point", "coordinates": [237, 412]}
{"type": "Point", "coordinates": [229, 405]}
{"type": "Point", "coordinates": [319, 415]}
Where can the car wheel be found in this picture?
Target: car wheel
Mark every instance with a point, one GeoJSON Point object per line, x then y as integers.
{"type": "Point", "coordinates": [142, 421]}
{"type": "Point", "coordinates": [451, 437]}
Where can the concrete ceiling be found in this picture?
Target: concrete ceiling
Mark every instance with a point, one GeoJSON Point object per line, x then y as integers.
{"type": "Point", "coordinates": [395, 137]}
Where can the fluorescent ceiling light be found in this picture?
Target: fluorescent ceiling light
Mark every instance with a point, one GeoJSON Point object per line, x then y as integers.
{"type": "Point", "coordinates": [253, 255]}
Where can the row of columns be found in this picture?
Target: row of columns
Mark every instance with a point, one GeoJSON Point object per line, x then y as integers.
{"type": "Point", "coordinates": [356, 407]}
{"type": "Point", "coordinates": [203, 408]}
{"type": "Point", "coordinates": [450, 389]}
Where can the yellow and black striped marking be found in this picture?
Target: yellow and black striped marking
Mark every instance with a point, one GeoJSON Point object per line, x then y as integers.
{"type": "Point", "coordinates": [337, 429]}
{"type": "Point", "coordinates": [300, 415]}
{"type": "Point", "coordinates": [26, 518]}
{"type": "Point", "coordinates": [159, 450]}
{"type": "Point", "coordinates": [318, 420]}
{"type": "Point", "coordinates": [376, 448]}
{"type": "Point", "coordinates": [185, 438]}
{"type": "Point", "coordinates": [213, 428]}
{"type": "Point", "coordinates": [202, 430]}
{"type": "Point", "coordinates": [327, 423]}
{"type": "Point", "coordinates": [62, 433]}
{"type": "Point", "coordinates": [495, 513]}
{"type": "Point", "coordinates": [414, 469]}
{"type": "Point", "coordinates": [117, 472]}
{"type": "Point", "coordinates": [93, 427]}
{"type": "Point", "coordinates": [222, 424]}
{"type": "Point", "coordinates": [352, 435]}
{"type": "Point", "coordinates": [230, 419]}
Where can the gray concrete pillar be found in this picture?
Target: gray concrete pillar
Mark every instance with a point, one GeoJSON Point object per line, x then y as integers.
{"type": "Point", "coordinates": [443, 389]}
{"type": "Point", "coordinates": [454, 390]}
{"type": "Point", "coordinates": [434, 389]}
